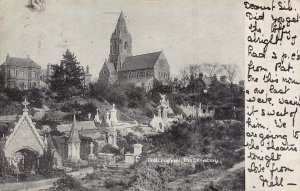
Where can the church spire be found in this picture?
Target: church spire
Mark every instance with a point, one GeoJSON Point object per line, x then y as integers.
{"type": "Point", "coordinates": [120, 43]}
{"type": "Point", "coordinates": [74, 136]}
{"type": "Point", "coordinates": [121, 20]}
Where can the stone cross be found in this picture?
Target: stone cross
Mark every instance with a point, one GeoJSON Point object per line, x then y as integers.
{"type": "Point", "coordinates": [25, 103]}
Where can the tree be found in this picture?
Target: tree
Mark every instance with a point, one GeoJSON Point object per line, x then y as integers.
{"type": "Point", "coordinates": [193, 69]}
{"type": "Point", "coordinates": [69, 74]}
{"type": "Point", "coordinates": [184, 77]}
{"type": "Point", "coordinates": [231, 71]}
{"type": "Point", "coordinates": [72, 69]}
{"type": "Point", "coordinates": [188, 73]}
{"type": "Point", "coordinates": [4, 168]}
{"type": "Point", "coordinates": [211, 69]}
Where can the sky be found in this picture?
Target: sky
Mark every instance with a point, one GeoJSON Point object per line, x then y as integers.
{"type": "Point", "coordinates": [188, 31]}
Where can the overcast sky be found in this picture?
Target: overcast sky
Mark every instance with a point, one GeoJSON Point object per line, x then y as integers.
{"type": "Point", "coordinates": [188, 31]}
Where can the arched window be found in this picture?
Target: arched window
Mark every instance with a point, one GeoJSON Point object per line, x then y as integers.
{"type": "Point", "coordinates": [115, 44]}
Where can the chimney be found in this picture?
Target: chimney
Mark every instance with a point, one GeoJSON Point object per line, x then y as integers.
{"type": "Point", "coordinates": [87, 69]}
{"type": "Point", "coordinates": [7, 57]}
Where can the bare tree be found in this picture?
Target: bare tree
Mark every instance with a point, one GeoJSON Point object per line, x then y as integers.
{"type": "Point", "coordinates": [193, 69]}
{"type": "Point", "coordinates": [184, 76]}
{"type": "Point", "coordinates": [211, 69]}
{"type": "Point", "coordinates": [231, 71]}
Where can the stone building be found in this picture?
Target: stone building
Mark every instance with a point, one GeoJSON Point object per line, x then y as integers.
{"type": "Point", "coordinates": [21, 73]}
{"type": "Point", "coordinates": [141, 70]}
{"type": "Point", "coordinates": [24, 146]}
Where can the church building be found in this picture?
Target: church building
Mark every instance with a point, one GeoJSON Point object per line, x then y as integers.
{"type": "Point", "coordinates": [141, 70]}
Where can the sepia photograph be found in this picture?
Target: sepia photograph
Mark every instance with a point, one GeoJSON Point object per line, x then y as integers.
{"type": "Point", "coordinates": [102, 95]}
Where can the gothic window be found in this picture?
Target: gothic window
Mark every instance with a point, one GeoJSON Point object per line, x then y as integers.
{"type": "Point", "coordinates": [115, 44]}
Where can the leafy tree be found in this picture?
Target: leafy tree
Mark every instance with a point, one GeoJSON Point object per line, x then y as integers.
{"type": "Point", "coordinates": [68, 75]}
{"type": "Point", "coordinates": [72, 70]}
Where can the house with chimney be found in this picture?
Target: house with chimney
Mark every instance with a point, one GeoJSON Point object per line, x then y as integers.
{"type": "Point", "coordinates": [20, 73]}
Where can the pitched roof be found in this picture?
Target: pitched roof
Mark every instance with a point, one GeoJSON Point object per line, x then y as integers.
{"type": "Point", "coordinates": [8, 118]}
{"type": "Point", "coordinates": [79, 125]}
{"type": "Point", "coordinates": [142, 61]}
{"type": "Point", "coordinates": [21, 62]}
{"type": "Point", "coordinates": [24, 132]}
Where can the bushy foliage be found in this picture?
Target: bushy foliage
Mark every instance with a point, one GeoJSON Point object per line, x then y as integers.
{"type": "Point", "coordinates": [46, 163]}
{"type": "Point", "coordinates": [67, 77]}
{"type": "Point", "coordinates": [108, 148]}
{"type": "Point", "coordinates": [147, 179]}
{"type": "Point", "coordinates": [203, 136]}
{"type": "Point", "coordinates": [233, 181]}
{"type": "Point", "coordinates": [116, 95]}
{"type": "Point", "coordinates": [36, 97]}
{"type": "Point", "coordinates": [67, 183]}
{"type": "Point", "coordinates": [4, 167]}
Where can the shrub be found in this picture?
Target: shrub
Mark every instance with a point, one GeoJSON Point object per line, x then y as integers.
{"type": "Point", "coordinates": [67, 183]}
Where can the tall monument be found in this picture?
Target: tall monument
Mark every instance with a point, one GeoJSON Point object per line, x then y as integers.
{"type": "Point", "coordinates": [74, 143]}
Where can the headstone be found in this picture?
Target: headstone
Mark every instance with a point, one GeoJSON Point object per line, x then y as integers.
{"type": "Point", "coordinates": [137, 149]}
{"type": "Point", "coordinates": [113, 116]}
{"type": "Point", "coordinates": [129, 158]}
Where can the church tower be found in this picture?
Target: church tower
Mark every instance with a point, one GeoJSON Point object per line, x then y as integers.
{"type": "Point", "coordinates": [120, 43]}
